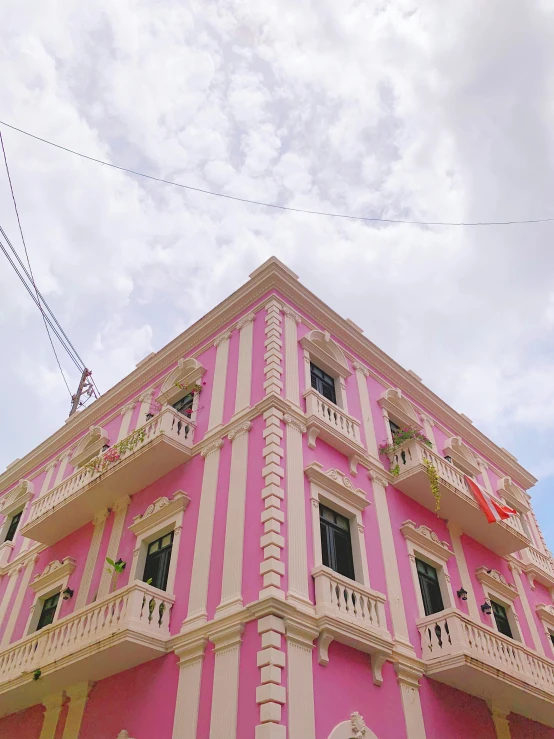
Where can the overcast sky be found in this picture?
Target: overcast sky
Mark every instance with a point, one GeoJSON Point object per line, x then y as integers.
{"type": "Point", "coordinates": [437, 113]}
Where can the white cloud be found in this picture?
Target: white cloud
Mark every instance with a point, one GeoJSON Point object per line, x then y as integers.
{"type": "Point", "coordinates": [394, 110]}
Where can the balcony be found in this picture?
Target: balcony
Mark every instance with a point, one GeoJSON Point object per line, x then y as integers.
{"type": "Point", "coordinates": [457, 503]}
{"type": "Point", "coordinates": [162, 444]}
{"type": "Point", "coordinates": [538, 566]}
{"type": "Point", "coordinates": [123, 630]}
{"type": "Point", "coordinates": [353, 615]}
{"type": "Point", "coordinates": [474, 658]}
{"type": "Point", "coordinates": [327, 421]}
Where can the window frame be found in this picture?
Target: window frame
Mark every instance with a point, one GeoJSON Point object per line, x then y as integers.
{"type": "Point", "coordinates": [424, 544]}
{"type": "Point", "coordinates": [170, 533]}
{"type": "Point", "coordinates": [496, 588]}
{"type": "Point", "coordinates": [54, 579]}
{"type": "Point", "coordinates": [323, 382]}
{"type": "Point", "coordinates": [43, 601]}
{"type": "Point", "coordinates": [330, 490]}
{"type": "Point", "coordinates": [161, 517]}
{"type": "Point", "coordinates": [346, 533]}
{"type": "Point", "coordinates": [10, 524]}
{"type": "Point", "coordinates": [435, 581]}
{"type": "Point", "coordinates": [333, 363]}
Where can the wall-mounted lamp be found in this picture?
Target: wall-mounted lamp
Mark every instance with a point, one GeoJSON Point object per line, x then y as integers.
{"type": "Point", "coordinates": [486, 608]}
{"type": "Point", "coordinates": [462, 594]}
{"type": "Point", "coordinates": [67, 594]}
{"type": "Point", "coordinates": [121, 563]}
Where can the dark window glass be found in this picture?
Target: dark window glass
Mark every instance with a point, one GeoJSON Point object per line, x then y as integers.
{"type": "Point", "coordinates": [336, 544]}
{"type": "Point", "coordinates": [14, 523]}
{"type": "Point", "coordinates": [501, 618]}
{"type": "Point", "coordinates": [394, 427]}
{"type": "Point", "coordinates": [430, 588]}
{"type": "Point", "coordinates": [48, 611]}
{"type": "Point", "coordinates": [552, 639]}
{"type": "Point", "coordinates": [184, 405]}
{"type": "Point", "coordinates": [157, 562]}
{"type": "Point", "coordinates": [323, 383]}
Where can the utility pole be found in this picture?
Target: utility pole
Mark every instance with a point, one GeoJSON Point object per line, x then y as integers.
{"type": "Point", "coordinates": [85, 391]}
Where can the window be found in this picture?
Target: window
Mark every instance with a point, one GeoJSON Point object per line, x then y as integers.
{"type": "Point", "coordinates": [501, 619]}
{"type": "Point", "coordinates": [12, 528]}
{"type": "Point", "coordinates": [184, 405]}
{"type": "Point", "coordinates": [394, 427]}
{"type": "Point", "coordinates": [48, 612]}
{"type": "Point", "coordinates": [336, 544]}
{"type": "Point", "coordinates": [158, 557]}
{"type": "Point", "coordinates": [323, 383]}
{"type": "Point", "coordinates": [430, 587]}
{"type": "Point", "coordinates": [551, 635]}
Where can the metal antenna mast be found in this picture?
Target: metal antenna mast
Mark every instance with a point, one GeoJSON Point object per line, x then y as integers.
{"type": "Point", "coordinates": [85, 391]}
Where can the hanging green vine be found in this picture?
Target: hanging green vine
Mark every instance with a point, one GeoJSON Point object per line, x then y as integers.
{"type": "Point", "coordinates": [433, 476]}
{"type": "Point", "coordinates": [100, 464]}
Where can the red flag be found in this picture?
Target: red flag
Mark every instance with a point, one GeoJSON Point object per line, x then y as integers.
{"type": "Point", "coordinates": [493, 510]}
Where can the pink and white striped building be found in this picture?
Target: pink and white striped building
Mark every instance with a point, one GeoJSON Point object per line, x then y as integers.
{"type": "Point", "coordinates": [279, 576]}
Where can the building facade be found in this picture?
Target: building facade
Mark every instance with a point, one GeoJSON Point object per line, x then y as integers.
{"type": "Point", "coordinates": [221, 547]}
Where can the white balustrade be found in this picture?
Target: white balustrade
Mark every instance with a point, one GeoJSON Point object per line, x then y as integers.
{"type": "Point", "coordinates": [333, 416]}
{"type": "Point", "coordinates": [339, 596]}
{"type": "Point", "coordinates": [138, 607]}
{"type": "Point", "coordinates": [168, 422]}
{"type": "Point", "coordinates": [450, 633]}
{"type": "Point", "coordinates": [541, 561]}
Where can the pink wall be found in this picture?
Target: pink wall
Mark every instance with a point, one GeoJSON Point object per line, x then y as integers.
{"type": "Point", "coordinates": [450, 713]}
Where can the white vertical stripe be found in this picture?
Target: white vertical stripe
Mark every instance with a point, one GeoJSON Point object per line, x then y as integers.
{"type": "Point", "coordinates": [120, 509]}
{"type": "Point", "coordinates": [244, 372]}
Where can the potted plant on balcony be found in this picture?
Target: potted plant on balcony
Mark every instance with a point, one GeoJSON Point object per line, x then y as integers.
{"type": "Point", "coordinates": [114, 453]}
{"type": "Point", "coordinates": [399, 438]}
{"type": "Point", "coordinates": [115, 569]}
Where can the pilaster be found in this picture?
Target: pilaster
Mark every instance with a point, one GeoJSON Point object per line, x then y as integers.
{"type": "Point", "coordinates": [244, 374]}
{"type": "Point", "coordinates": [126, 413]}
{"type": "Point", "coordinates": [120, 511]}
{"type": "Point", "coordinates": [408, 680]}
{"type": "Point", "coordinates": [529, 615]}
{"type": "Point", "coordinates": [16, 608]}
{"type": "Point", "coordinates": [273, 349]}
{"type": "Point", "coordinates": [500, 721]}
{"type": "Point", "coordinates": [227, 642]}
{"type": "Point", "coordinates": [231, 584]}
{"type": "Point", "coordinates": [10, 587]}
{"type": "Point", "coordinates": [292, 380]}
{"type": "Point", "coordinates": [145, 403]}
{"type": "Point", "coordinates": [53, 705]}
{"type": "Point", "coordinates": [78, 696]}
{"type": "Point", "coordinates": [301, 710]}
{"type": "Point", "coordinates": [362, 373]}
{"type": "Point", "coordinates": [198, 595]}
{"type": "Point", "coordinates": [99, 523]}
{"type": "Point", "coordinates": [428, 424]}
{"type": "Point", "coordinates": [219, 380]}
{"type": "Point", "coordinates": [62, 468]}
{"type": "Point", "coordinates": [467, 582]}
{"type": "Point", "coordinates": [185, 719]}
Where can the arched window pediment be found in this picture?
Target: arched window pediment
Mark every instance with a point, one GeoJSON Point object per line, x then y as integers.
{"type": "Point", "coordinates": [17, 497]}
{"type": "Point", "coordinates": [462, 456]}
{"type": "Point", "coordinates": [90, 445]}
{"type": "Point", "coordinates": [512, 494]}
{"type": "Point", "coordinates": [326, 353]}
{"type": "Point", "coordinates": [399, 410]}
{"type": "Point", "coordinates": [187, 373]}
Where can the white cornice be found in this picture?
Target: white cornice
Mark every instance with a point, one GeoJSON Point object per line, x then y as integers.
{"type": "Point", "coordinates": [427, 539]}
{"type": "Point", "coordinates": [270, 277]}
{"type": "Point", "coordinates": [158, 512]}
{"type": "Point", "coordinates": [496, 582]}
{"type": "Point", "coordinates": [338, 483]}
{"type": "Point", "coordinates": [53, 573]}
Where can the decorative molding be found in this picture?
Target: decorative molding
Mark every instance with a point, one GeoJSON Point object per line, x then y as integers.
{"type": "Point", "coordinates": [16, 498]}
{"type": "Point", "coordinates": [128, 408]}
{"type": "Point", "coordinates": [359, 729]}
{"type": "Point", "coordinates": [496, 582]}
{"type": "Point", "coordinates": [89, 446]}
{"type": "Point", "coordinates": [513, 495]}
{"type": "Point", "coordinates": [245, 320]}
{"type": "Point", "coordinates": [546, 614]}
{"type": "Point", "coordinates": [295, 422]}
{"type": "Point", "coordinates": [338, 483]}
{"type": "Point", "coordinates": [398, 408]}
{"type": "Point", "coordinates": [242, 428]}
{"type": "Point", "coordinates": [159, 511]}
{"type": "Point", "coordinates": [378, 478]}
{"type": "Point", "coordinates": [425, 538]}
{"type": "Point", "coordinates": [54, 572]}
{"type": "Point", "coordinates": [288, 311]}
{"type": "Point", "coordinates": [221, 338]}
{"type": "Point", "coordinates": [462, 456]}
{"type": "Point", "coordinates": [326, 353]}
{"type": "Point", "coordinates": [187, 372]}
{"type": "Point", "coordinates": [361, 368]}
{"type": "Point", "coordinates": [215, 446]}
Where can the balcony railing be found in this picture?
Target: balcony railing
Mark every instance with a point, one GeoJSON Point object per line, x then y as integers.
{"type": "Point", "coordinates": [123, 630]}
{"type": "Point", "coordinates": [161, 445]}
{"type": "Point", "coordinates": [457, 503]}
{"type": "Point", "coordinates": [351, 613]}
{"type": "Point", "coordinates": [478, 660]}
{"type": "Point", "coordinates": [329, 422]}
{"type": "Point", "coordinates": [538, 566]}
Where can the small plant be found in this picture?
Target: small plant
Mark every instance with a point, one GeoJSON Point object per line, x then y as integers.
{"type": "Point", "coordinates": [115, 569]}
{"type": "Point", "coordinates": [433, 476]}
{"type": "Point", "coordinates": [37, 673]}
{"type": "Point", "coordinates": [400, 437]}
{"type": "Point", "coordinates": [115, 452]}
{"type": "Point", "coordinates": [395, 471]}
{"type": "Point", "coordinates": [196, 387]}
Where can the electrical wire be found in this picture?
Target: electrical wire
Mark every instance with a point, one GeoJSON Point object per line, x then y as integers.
{"type": "Point", "coordinates": [274, 205]}
{"type": "Point", "coordinates": [30, 268]}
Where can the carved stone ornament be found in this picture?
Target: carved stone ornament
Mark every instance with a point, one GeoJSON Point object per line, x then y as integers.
{"type": "Point", "coordinates": [359, 729]}
{"type": "Point", "coordinates": [287, 418]}
{"type": "Point", "coordinates": [291, 313]}
{"type": "Point", "coordinates": [242, 428]}
{"type": "Point", "coordinates": [159, 511]}
{"type": "Point", "coordinates": [54, 572]}
{"type": "Point", "coordinates": [496, 582]}
{"type": "Point", "coordinates": [361, 368]}
{"type": "Point", "coordinates": [245, 320]}
{"type": "Point", "coordinates": [425, 538]}
{"type": "Point", "coordinates": [213, 447]}
{"type": "Point", "coordinates": [223, 337]}
{"type": "Point", "coordinates": [20, 494]}
{"type": "Point", "coordinates": [123, 734]}
{"type": "Point", "coordinates": [338, 483]}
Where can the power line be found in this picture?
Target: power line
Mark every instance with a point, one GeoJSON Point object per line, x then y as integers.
{"type": "Point", "coordinates": [30, 268]}
{"type": "Point", "coordinates": [274, 205]}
